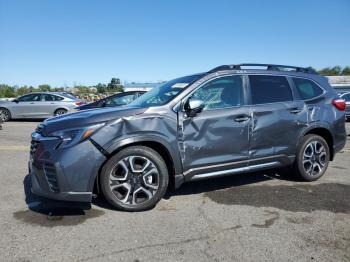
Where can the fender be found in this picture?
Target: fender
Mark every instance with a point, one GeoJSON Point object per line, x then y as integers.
{"type": "Point", "coordinates": [316, 125]}
{"type": "Point", "coordinates": [173, 153]}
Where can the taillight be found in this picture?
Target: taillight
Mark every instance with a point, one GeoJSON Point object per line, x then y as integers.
{"type": "Point", "coordinates": [339, 104]}
{"type": "Point", "coordinates": [80, 103]}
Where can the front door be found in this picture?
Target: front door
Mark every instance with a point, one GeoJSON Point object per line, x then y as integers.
{"type": "Point", "coordinates": [215, 140]}
{"type": "Point", "coordinates": [27, 106]}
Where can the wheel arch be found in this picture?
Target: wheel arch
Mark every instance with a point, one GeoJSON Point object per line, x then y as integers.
{"type": "Point", "coordinates": [171, 160]}
{"type": "Point", "coordinates": [326, 134]}
{"type": "Point", "coordinates": [59, 108]}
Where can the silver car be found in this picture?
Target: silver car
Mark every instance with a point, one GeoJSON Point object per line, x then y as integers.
{"type": "Point", "coordinates": [38, 105]}
{"type": "Point", "coordinates": [346, 97]}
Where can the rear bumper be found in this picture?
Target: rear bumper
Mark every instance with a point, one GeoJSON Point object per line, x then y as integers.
{"type": "Point", "coordinates": [63, 174]}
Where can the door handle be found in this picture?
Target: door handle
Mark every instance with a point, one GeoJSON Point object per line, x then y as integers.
{"type": "Point", "coordinates": [32, 103]}
{"type": "Point", "coordinates": [240, 119]}
{"type": "Point", "coordinates": [295, 110]}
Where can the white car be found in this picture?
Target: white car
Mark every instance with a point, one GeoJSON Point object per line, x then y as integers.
{"type": "Point", "coordinates": [38, 105]}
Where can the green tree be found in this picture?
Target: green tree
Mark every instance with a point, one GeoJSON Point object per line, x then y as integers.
{"type": "Point", "coordinates": [22, 90]}
{"type": "Point", "coordinates": [7, 91]}
{"type": "Point", "coordinates": [44, 88]}
{"type": "Point", "coordinates": [101, 88]}
{"type": "Point", "coordinates": [115, 85]}
{"type": "Point", "coordinates": [346, 71]}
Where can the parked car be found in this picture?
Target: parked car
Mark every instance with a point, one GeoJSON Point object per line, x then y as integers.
{"type": "Point", "coordinates": [119, 99]}
{"type": "Point", "coordinates": [38, 105]}
{"type": "Point", "coordinates": [346, 97]}
{"type": "Point", "coordinates": [232, 119]}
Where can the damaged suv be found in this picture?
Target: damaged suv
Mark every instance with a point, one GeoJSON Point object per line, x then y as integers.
{"type": "Point", "coordinates": [232, 119]}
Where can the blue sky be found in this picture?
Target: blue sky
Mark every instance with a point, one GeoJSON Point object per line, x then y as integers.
{"type": "Point", "coordinates": [69, 42]}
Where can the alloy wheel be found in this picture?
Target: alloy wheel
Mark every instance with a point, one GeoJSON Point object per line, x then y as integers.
{"type": "Point", "coordinates": [134, 180]}
{"type": "Point", "coordinates": [4, 115]}
{"type": "Point", "coordinates": [314, 158]}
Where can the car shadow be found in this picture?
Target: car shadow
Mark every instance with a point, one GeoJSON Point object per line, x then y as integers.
{"type": "Point", "coordinates": [52, 207]}
{"type": "Point", "coordinates": [213, 184]}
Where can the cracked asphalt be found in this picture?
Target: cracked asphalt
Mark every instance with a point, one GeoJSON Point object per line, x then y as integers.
{"type": "Point", "coordinates": [249, 217]}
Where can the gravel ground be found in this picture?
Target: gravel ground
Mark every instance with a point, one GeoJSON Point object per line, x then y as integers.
{"type": "Point", "coordinates": [250, 217]}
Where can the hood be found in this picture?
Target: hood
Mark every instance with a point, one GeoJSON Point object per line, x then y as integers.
{"type": "Point", "coordinates": [88, 117]}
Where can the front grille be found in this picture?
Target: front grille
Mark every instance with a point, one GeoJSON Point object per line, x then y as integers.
{"type": "Point", "coordinates": [51, 177]}
{"type": "Point", "coordinates": [33, 147]}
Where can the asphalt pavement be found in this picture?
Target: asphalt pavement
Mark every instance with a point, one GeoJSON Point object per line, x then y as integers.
{"type": "Point", "coordinates": [248, 217]}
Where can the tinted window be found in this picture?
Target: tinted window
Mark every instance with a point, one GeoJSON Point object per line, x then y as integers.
{"type": "Point", "coordinates": [306, 88]}
{"type": "Point", "coordinates": [28, 98]}
{"type": "Point", "coordinates": [221, 92]}
{"type": "Point", "coordinates": [166, 92]}
{"type": "Point", "coordinates": [346, 97]}
{"type": "Point", "coordinates": [269, 89]}
{"type": "Point", "coordinates": [47, 97]}
{"type": "Point", "coordinates": [119, 100]}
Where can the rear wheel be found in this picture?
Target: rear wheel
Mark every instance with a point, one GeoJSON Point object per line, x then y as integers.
{"type": "Point", "coordinates": [60, 111]}
{"type": "Point", "coordinates": [312, 158]}
{"type": "Point", "coordinates": [134, 179]}
{"type": "Point", "coordinates": [5, 114]}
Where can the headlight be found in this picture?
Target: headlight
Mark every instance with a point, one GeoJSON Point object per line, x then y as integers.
{"type": "Point", "coordinates": [71, 137]}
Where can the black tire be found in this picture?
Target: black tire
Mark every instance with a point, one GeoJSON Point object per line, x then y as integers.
{"type": "Point", "coordinates": [5, 114]}
{"type": "Point", "coordinates": [60, 111]}
{"type": "Point", "coordinates": [111, 167]}
{"type": "Point", "coordinates": [318, 162]}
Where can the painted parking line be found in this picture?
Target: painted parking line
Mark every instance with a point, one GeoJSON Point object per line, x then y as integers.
{"type": "Point", "coordinates": [14, 148]}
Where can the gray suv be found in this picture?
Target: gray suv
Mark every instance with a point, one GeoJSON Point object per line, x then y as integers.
{"type": "Point", "coordinates": [232, 119]}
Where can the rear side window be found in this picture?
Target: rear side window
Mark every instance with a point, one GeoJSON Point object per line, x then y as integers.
{"type": "Point", "coordinates": [49, 98]}
{"type": "Point", "coordinates": [269, 89]}
{"type": "Point", "coordinates": [306, 88]}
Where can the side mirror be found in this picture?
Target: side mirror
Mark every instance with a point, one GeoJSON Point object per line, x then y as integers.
{"type": "Point", "coordinates": [15, 101]}
{"type": "Point", "coordinates": [194, 106]}
{"type": "Point", "coordinates": [103, 104]}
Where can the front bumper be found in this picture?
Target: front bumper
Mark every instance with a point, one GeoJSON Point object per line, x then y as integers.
{"type": "Point", "coordinates": [63, 174]}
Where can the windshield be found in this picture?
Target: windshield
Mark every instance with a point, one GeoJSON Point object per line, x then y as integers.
{"type": "Point", "coordinates": [165, 93]}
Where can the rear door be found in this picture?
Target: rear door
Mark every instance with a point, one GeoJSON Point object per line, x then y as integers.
{"type": "Point", "coordinates": [277, 120]}
{"type": "Point", "coordinates": [49, 104]}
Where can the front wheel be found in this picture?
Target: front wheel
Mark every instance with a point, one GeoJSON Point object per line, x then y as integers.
{"type": "Point", "coordinates": [5, 115]}
{"type": "Point", "coordinates": [312, 158]}
{"type": "Point", "coordinates": [134, 179]}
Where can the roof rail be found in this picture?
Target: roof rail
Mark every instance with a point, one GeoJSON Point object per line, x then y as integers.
{"type": "Point", "coordinates": [308, 70]}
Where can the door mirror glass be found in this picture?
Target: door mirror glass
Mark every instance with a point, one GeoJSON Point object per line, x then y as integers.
{"type": "Point", "coordinates": [194, 106]}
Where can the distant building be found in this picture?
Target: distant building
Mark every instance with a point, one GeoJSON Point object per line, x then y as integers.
{"type": "Point", "coordinates": [140, 86]}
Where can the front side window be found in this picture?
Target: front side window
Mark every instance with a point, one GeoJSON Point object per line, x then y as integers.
{"type": "Point", "coordinates": [269, 89]}
{"type": "Point", "coordinates": [30, 98]}
{"type": "Point", "coordinates": [307, 89]}
{"type": "Point", "coordinates": [220, 93]}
